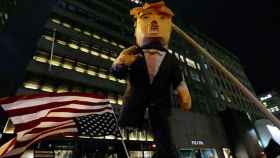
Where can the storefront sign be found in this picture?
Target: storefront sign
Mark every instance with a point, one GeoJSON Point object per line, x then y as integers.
{"type": "Point", "coordinates": [197, 142]}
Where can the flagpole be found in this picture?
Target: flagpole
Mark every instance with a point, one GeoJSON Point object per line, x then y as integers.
{"type": "Point", "coordinates": [233, 79]}
{"type": "Point", "coordinates": [52, 48]}
{"type": "Point", "coordinates": [123, 143]}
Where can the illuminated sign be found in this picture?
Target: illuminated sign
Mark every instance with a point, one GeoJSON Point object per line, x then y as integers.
{"type": "Point", "coordinates": [197, 142]}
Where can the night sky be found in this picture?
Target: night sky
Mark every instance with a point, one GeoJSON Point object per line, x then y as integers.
{"type": "Point", "coordinates": [247, 28]}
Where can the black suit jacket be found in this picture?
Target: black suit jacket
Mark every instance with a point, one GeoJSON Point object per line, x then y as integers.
{"type": "Point", "coordinates": [141, 93]}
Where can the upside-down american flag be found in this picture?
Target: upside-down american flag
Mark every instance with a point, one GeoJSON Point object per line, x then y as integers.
{"type": "Point", "coordinates": [39, 116]}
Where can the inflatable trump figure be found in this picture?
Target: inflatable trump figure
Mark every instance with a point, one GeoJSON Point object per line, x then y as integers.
{"type": "Point", "coordinates": [153, 75]}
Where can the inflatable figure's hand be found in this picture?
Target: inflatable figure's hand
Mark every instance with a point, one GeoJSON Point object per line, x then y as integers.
{"type": "Point", "coordinates": [184, 99]}
{"type": "Point", "coordinates": [127, 56]}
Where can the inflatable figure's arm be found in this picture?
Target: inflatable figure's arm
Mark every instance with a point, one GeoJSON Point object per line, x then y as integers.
{"type": "Point", "coordinates": [121, 65]}
{"type": "Point", "coordinates": [184, 96]}
{"type": "Point", "coordinates": [181, 88]}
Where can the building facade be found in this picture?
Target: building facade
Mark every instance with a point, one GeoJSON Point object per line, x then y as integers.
{"type": "Point", "coordinates": [87, 36]}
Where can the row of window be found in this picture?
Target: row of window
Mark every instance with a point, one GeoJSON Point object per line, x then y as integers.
{"type": "Point", "coordinates": [76, 66]}
{"type": "Point", "coordinates": [128, 134]}
{"type": "Point", "coordinates": [93, 16]}
{"type": "Point", "coordinates": [49, 87]}
{"type": "Point", "coordinates": [80, 46]}
{"type": "Point", "coordinates": [86, 32]}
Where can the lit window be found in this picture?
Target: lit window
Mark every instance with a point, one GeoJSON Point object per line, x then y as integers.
{"type": "Point", "coordinates": [182, 58]}
{"type": "Point", "coordinates": [56, 61]}
{"type": "Point", "coordinates": [66, 25]}
{"type": "Point", "coordinates": [120, 101]}
{"type": "Point", "coordinates": [49, 38]}
{"type": "Point", "coordinates": [61, 42]}
{"type": "Point", "coordinates": [104, 56]}
{"type": "Point", "coordinates": [68, 64]}
{"type": "Point", "coordinates": [62, 89]}
{"type": "Point", "coordinates": [105, 40]}
{"type": "Point", "coordinates": [87, 33]}
{"type": "Point", "coordinates": [191, 63]}
{"type": "Point", "coordinates": [96, 36]}
{"type": "Point", "coordinates": [84, 49]}
{"type": "Point", "coordinates": [112, 99]}
{"type": "Point", "coordinates": [170, 51]}
{"type": "Point", "coordinates": [102, 75]}
{"type": "Point", "coordinates": [198, 66]}
{"type": "Point", "coordinates": [142, 135]}
{"type": "Point", "coordinates": [222, 96]}
{"type": "Point", "coordinates": [94, 53]}
{"type": "Point", "coordinates": [122, 81]}
{"type": "Point", "coordinates": [114, 43]}
{"type": "Point", "coordinates": [47, 88]}
{"type": "Point", "coordinates": [112, 78]}
{"type": "Point", "coordinates": [77, 29]}
{"type": "Point", "coordinates": [92, 71]}
{"type": "Point", "coordinates": [150, 137]}
{"type": "Point", "coordinates": [176, 55]}
{"type": "Point", "coordinates": [73, 45]}
{"type": "Point", "coordinates": [41, 58]}
{"type": "Point", "coordinates": [56, 21]}
{"type": "Point", "coordinates": [112, 59]}
{"type": "Point", "coordinates": [80, 67]}
{"type": "Point", "coordinates": [133, 135]}
{"type": "Point", "coordinates": [121, 46]}
{"type": "Point", "coordinates": [31, 85]}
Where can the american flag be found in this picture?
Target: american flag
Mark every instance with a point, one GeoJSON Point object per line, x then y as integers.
{"type": "Point", "coordinates": [39, 116]}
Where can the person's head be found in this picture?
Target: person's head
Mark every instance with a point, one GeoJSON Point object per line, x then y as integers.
{"type": "Point", "coordinates": [153, 23]}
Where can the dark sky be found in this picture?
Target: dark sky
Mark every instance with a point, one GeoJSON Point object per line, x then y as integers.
{"type": "Point", "coordinates": [247, 28]}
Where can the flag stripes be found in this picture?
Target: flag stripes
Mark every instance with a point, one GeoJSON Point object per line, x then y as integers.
{"type": "Point", "coordinates": [42, 115]}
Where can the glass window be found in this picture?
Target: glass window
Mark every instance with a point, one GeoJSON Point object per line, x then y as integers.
{"type": "Point", "coordinates": [120, 100]}
{"type": "Point", "coordinates": [105, 40]}
{"type": "Point", "coordinates": [47, 88]}
{"type": "Point", "coordinates": [112, 78]}
{"type": "Point", "coordinates": [114, 43]}
{"type": "Point", "coordinates": [104, 56]}
{"type": "Point", "coordinates": [191, 63]}
{"type": "Point", "coordinates": [92, 70]}
{"type": "Point", "coordinates": [80, 67]}
{"type": "Point", "coordinates": [121, 46]}
{"type": "Point", "coordinates": [31, 85]}
{"type": "Point", "coordinates": [62, 89]}
{"type": "Point", "coordinates": [84, 49]}
{"type": "Point", "coordinates": [95, 53]}
{"type": "Point", "coordinates": [150, 137]}
{"type": "Point", "coordinates": [73, 45]}
{"type": "Point", "coordinates": [77, 29]}
{"type": "Point", "coordinates": [195, 76]}
{"type": "Point", "coordinates": [61, 42]}
{"type": "Point", "coordinates": [87, 33]}
{"type": "Point", "coordinates": [66, 25]}
{"type": "Point", "coordinates": [56, 21]}
{"type": "Point", "coordinates": [112, 59]}
{"type": "Point", "coordinates": [122, 81]}
{"type": "Point", "coordinates": [182, 58]}
{"type": "Point", "coordinates": [133, 135]}
{"type": "Point", "coordinates": [49, 38]}
{"type": "Point", "coordinates": [68, 64]}
{"type": "Point", "coordinates": [55, 61]}
{"type": "Point", "coordinates": [40, 57]}
{"type": "Point", "coordinates": [96, 36]}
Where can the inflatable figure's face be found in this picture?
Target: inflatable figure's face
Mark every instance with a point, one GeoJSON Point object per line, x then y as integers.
{"type": "Point", "coordinates": [153, 26]}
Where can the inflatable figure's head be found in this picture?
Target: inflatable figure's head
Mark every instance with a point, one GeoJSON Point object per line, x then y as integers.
{"type": "Point", "coordinates": [153, 24]}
